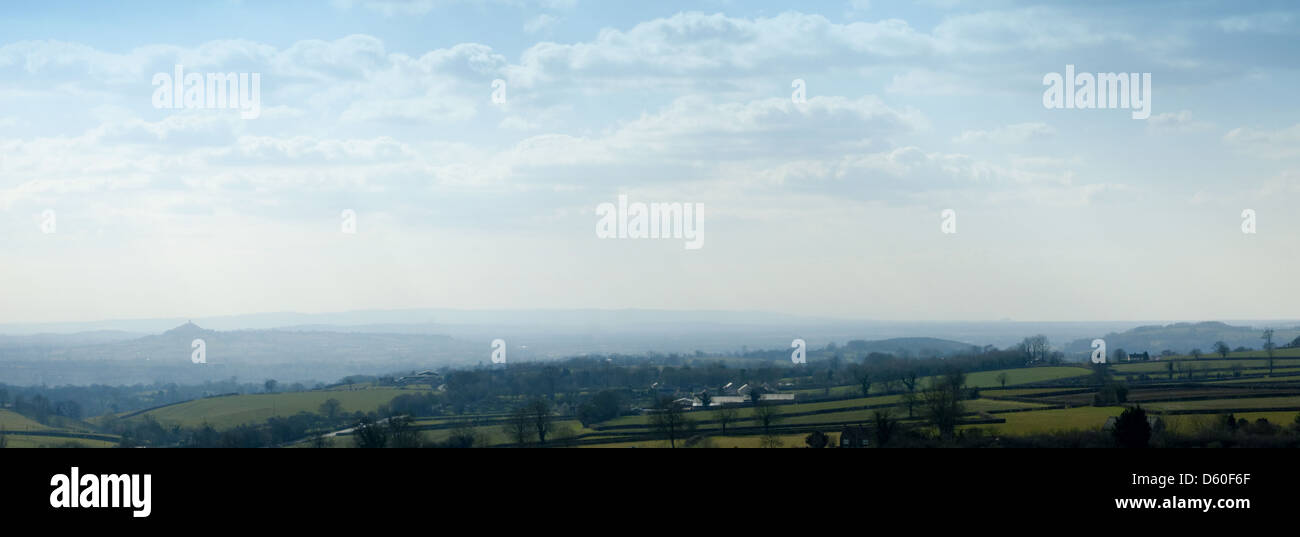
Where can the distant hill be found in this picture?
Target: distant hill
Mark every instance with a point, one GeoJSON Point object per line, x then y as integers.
{"type": "Point", "coordinates": [80, 338]}
{"type": "Point", "coordinates": [278, 346]}
{"type": "Point", "coordinates": [1183, 337]}
{"type": "Point", "coordinates": [915, 347]}
{"type": "Point", "coordinates": [289, 356]}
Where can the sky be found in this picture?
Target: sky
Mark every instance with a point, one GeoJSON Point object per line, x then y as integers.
{"type": "Point", "coordinates": [456, 154]}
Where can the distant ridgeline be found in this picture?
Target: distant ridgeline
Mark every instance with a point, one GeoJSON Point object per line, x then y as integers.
{"type": "Point", "coordinates": [912, 347]}
{"type": "Point", "coordinates": [1181, 338]}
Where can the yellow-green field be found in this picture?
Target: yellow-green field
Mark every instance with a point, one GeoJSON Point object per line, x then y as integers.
{"type": "Point", "coordinates": [1022, 392]}
{"type": "Point", "coordinates": [1025, 375]}
{"type": "Point", "coordinates": [718, 441]}
{"type": "Point", "coordinates": [1214, 404]}
{"type": "Point", "coordinates": [13, 421]}
{"type": "Point", "coordinates": [1254, 380]}
{"type": "Point", "coordinates": [22, 441]}
{"type": "Point", "coordinates": [982, 379]}
{"type": "Point", "coordinates": [1046, 421]}
{"type": "Point", "coordinates": [231, 411]}
{"type": "Point", "coordinates": [497, 436]}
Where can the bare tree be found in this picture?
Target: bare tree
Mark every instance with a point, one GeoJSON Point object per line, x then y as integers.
{"type": "Point", "coordinates": [518, 426]}
{"type": "Point", "coordinates": [943, 402]}
{"type": "Point", "coordinates": [543, 422]}
{"type": "Point", "coordinates": [1002, 379]}
{"type": "Point", "coordinates": [885, 426]}
{"type": "Point", "coordinates": [1268, 347]}
{"type": "Point", "coordinates": [1222, 349]}
{"type": "Point", "coordinates": [465, 435]}
{"type": "Point", "coordinates": [670, 422]}
{"type": "Point", "coordinates": [909, 398]}
{"type": "Point", "coordinates": [1036, 348]}
{"type": "Point", "coordinates": [402, 432]}
{"type": "Point", "coordinates": [767, 415]}
{"type": "Point", "coordinates": [550, 378]}
{"type": "Point", "coordinates": [331, 408]}
{"type": "Point", "coordinates": [725, 415]}
{"type": "Point", "coordinates": [862, 376]}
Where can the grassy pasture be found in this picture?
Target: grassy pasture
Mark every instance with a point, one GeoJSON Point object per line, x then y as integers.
{"type": "Point", "coordinates": [1216, 404]}
{"type": "Point", "coordinates": [1024, 375]}
{"type": "Point", "coordinates": [231, 411]}
{"type": "Point", "coordinates": [13, 421]}
{"type": "Point", "coordinates": [1045, 421]}
{"type": "Point", "coordinates": [980, 379]}
{"type": "Point", "coordinates": [749, 441]}
{"type": "Point", "coordinates": [22, 441]}
{"type": "Point", "coordinates": [1201, 365]}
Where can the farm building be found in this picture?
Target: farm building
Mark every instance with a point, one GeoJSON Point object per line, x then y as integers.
{"type": "Point", "coordinates": [427, 376]}
{"type": "Point", "coordinates": [719, 400]}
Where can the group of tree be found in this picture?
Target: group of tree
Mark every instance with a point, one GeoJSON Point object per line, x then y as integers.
{"type": "Point", "coordinates": [532, 421]}
{"type": "Point", "coordinates": [943, 402]}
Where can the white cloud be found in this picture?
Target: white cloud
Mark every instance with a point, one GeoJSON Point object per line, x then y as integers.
{"type": "Point", "coordinates": [395, 8]}
{"type": "Point", "coordinates": [1272, 22]}
{"type": "Point", "coordinates": [1265, 143]}
{"type": "Point", "coordinates": [541, 23]}
{"type": "Point", "coordinates": [1018, 133]}
{"type": "Point", "coordinates": [1180, 121]}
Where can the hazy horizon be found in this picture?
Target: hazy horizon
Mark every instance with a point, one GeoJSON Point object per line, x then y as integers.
{"type": "Point", "coordinates": [569, 320]}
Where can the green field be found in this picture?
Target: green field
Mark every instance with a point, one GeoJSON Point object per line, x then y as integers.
{"type": "Point", "coordinates": [1255, 380]}
{"type": "Point", "coordinates": [13, 421]}
{"type": "Point", "coordinates": [1217, 404]}
{"type": "Point", "coordinates": [1046, 421]}
{"type": "Point", "coordinates": [1202, 365]}
{"type": "Point", "coordinates": [231, 411]}
{"type": "Point", "coordinates": [981, 379]}
{"type": "Point", "coordinates": [1021, 392]}
{"type": "Point", "coordinates": [898, 411]}
{"type": "Point", "coordinates": [719, 441]}
{"type": "Point", "coordinates": [1025, 375]}
{"type": "Point", "coordinates": [496, 434]}
{"type": "Point", "coordinates": [21, 441]}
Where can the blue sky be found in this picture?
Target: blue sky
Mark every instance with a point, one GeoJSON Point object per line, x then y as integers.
{"type": "Point", "coordinates": [830, 207]}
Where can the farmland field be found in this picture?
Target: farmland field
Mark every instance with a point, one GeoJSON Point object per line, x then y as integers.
{"type": "Point", "coordinates": [23, 441]}
{"type": "Point", "coordinates": [12, 421]}
{"type": "Point", "coordinates": [981, 379]}
{"type": "Point", "coordinates": [1221, 404]}
{"type": "Point", "coordinates": [1046, 421]}
{"type": "Point", "coordinates": [231, 411]}
{"type": "Point", "coordinates": [749, 441]}
{"type": "Point", "coordinates": [1027, 375]}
